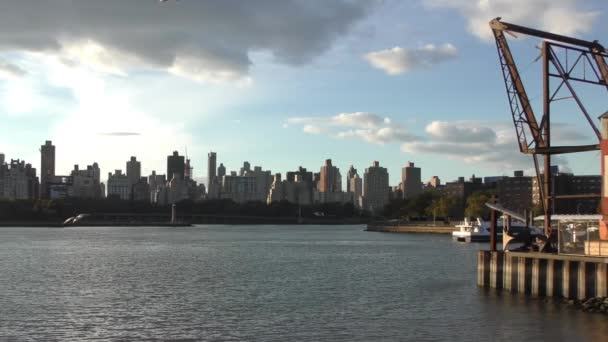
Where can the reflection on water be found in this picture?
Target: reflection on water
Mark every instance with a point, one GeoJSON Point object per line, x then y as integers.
{"type": "Point", "coordinates": [265, 283]}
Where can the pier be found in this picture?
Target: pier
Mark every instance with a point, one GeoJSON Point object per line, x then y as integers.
{"type": "Point", "coordinates": [543, 274]}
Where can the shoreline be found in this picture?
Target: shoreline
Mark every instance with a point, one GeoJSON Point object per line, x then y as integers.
{"type": "Point", "coordinates": [236, 222]}
{"type": "Point", "coordinates": [412, 229]}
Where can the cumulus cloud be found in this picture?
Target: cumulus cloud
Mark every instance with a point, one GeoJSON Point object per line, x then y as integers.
{"type": "Point", "coordinates": [486, 142]}
{"type": "Point", "coordinates": [369, 127]}
{"type": "Point", "coordinates": [399, 60]}
{"type": "Point", "coordinates": [11, 71]}
{"type": "Point", "coordinates": [120, 134]}
{"type": "Point", "coordinates": [558, 16]}
{"type": "Point", "coordinates": [204, 40]}
{"type": "Point", "coordinates": [448, 131]}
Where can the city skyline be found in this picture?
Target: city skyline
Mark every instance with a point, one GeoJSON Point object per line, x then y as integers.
{"type": "Point", "coordinates": [361, 85]}
{"type": "Point", "coordinates": [174, 159]}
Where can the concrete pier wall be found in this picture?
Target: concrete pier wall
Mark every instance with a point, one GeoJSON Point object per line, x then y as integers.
{"type": "Point", "coordinates": [543, 275]}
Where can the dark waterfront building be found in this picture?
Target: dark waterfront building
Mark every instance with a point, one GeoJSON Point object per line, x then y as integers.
{"type": "Point", "coordinates": [140, 191]}
{"type": "Point", "coordinates": [175, 165]}
{"type": "Point", "coordinates": [461, 190]}
{"type": "Point", "coordinates": [515, 193]}
{"type": "Point", "coordinates": [569, 184]}
{"type": "Point", "coordinates": [47, 167]}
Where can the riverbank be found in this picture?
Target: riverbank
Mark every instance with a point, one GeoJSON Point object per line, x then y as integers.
{"type": "Point", "coordinates": [134, 221]}
{"type": "Point", "coordinates": [411, 229]}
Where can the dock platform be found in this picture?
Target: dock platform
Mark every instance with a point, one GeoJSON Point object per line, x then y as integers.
{"type": "Point", "coordinates": [543, 275]}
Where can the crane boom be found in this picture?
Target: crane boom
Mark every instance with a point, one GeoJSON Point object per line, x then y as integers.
{"type": "Point", "coordinates": [534, 137]}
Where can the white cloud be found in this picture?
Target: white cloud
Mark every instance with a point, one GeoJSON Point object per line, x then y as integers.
{"type": "Point", "coordinates": [460, 132]}
{"type": "Point", "coordinates": [399, 60]}
{"type": "Point", "coordinates": [558, 16]}
{"type": "Point", "coordinates": [104, 126]}
{"type": "Point", "coordinates": [209, 41]}
{"type": "Point", "coordinates": [11, 71]}
{"type": "Point", "coordinates": [369, 127]}
{"type": "Point", "coordinates": [492, 143]}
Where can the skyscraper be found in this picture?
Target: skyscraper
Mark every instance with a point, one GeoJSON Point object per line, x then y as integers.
{"type": "Point", "coordinates": [375, 188]}
{"type": "Point", "coordinates": [246, 167]}
{"type": "Point", "coordinates": [356, 189]}
{"type": "Point", "coordinates": [350, 174]}
{"type": "Point", "coordinates": [175, 165]}
{"type": "Point", "coordinates": [410, 181]}
{"type": "Point", "coordinates": [211, 168]}
{"type": "Point", "coordinates": [221, 171]}
{"type": "Point", "coordinates": [188, 170]}
{"type": "Point", "coordinates": [330, 178]}
{"type": "Point", "coordinates": [47, 167]}
{"type": "Point", "coordinates": [133, 170]}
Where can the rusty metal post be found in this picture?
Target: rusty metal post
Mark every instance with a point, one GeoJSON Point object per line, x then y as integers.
{"type": "Point", "coordinates": [547, 138]}
{"type": "Point", "coordinates": [604, 162]}
{"type": "Point", "coordinates": [493, 234]}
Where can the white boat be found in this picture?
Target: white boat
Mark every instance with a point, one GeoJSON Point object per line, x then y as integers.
{"type": "Point", "coordinates": [479, 230]}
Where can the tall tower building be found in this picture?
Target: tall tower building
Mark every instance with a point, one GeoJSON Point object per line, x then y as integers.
{"type": "Point", "coordinates": [133, 170]}
{"type": "Point", "coordinates": [246, 168]}
{"type": "Point", "coordinates": [211, 168]}
{"type": "Point", "coordinates": [221, 171]}
{"type": "Point", "coordinates": [175, 165]}
{"type": "Point", "coordinates": [2, 159]}
{"type": "Point", "coordinates": [350, 174]}
{"type": "Point", "coordinates": [47, 167]}
{"type": "Point", "coordinates": [410, 181]}
{"type": "Point", "coordinates": [188, 170]}
{"type": "Point", "coordinates": [330, 179]}
{"type": "Point", "coordinates": [355, 184]}
{"type": "Point", "coordinates": [375, 188]}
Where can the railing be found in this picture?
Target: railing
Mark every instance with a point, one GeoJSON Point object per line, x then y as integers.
{"type": "Point", "coordinates": [580, 238]}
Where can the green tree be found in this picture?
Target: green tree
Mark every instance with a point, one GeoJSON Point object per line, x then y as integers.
{"type": "Point", "coordinates": [476, 204]}
{"type": "Point", "coordinates": [441, 206]}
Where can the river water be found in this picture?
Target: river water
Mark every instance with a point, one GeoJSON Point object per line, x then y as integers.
{"type": "Point", "coordinates": [261, 283]}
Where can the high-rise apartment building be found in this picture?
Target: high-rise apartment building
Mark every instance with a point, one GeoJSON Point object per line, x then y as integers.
{"type": "Point", "coordinates": [86, 182]}
{"type": "Point", "coordinates": [410, 181]}
{"type": "Point", "coordinates": [434, 182]}
{"type": "Point", "coordinates": [246, 167]}
{"type": "Point", "coordinates": [355, 184]}
{"type": "Point", "coordinates": [375, 188]}
{"type": "Point", "coordinates": [221, 171]}
{"type": "Point", "coordinates": [133, 170]}
{"type": "Point", "coordinates": [47, 167]}
{"type": "Point", "coordinates": [119, 185]}
{"type": "Point", "coordinates": [330, 178]}
{"type": "Point", "coordinates": [263, 181]}
{"type": "Point", "coordinates": [570, 184]}
{"type": "Point", "coordinates": [350, 174]}
{"type": "Point", "coordinates": [175, 165]}
{"type": "Point", "coordinates": [211, 168]}
{"type": "Point", "coordinates": [18, 180]}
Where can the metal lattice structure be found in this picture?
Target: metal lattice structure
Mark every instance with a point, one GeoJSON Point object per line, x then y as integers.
{"type": "Point", "coordinates": [566, 59]}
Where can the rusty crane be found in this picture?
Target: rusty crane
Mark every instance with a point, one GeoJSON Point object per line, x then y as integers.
{"type": "Point", "coordinates": [567, 61]}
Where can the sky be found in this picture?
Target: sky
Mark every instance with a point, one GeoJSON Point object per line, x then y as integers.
{"type": "Point", "coordinates": [281, 83]}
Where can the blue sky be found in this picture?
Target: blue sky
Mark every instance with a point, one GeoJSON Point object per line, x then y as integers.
{"type": "Point", "coordinates": [280, 83]}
